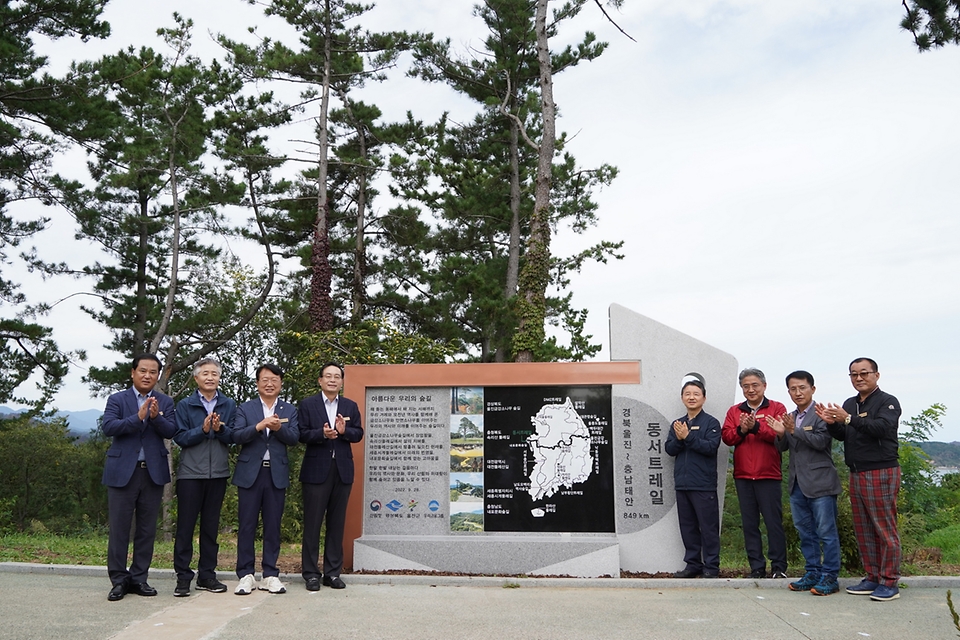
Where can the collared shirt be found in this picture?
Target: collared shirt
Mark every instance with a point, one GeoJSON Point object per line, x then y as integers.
{"type": "Point", "coordinates": [331, 407]}
{"type": "Point", "coordinates": [800, 415]}
{"type": "Point", "coordinates": [211, 404]}
{"type": "Point", "coordinates": [140, 400]}
{"type": "Point", "coordinates": [267, 412]}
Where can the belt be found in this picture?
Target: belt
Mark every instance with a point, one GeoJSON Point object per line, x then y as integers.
{"type": "Point", "coordinates": [142, 464]}
{"type": "Point", "coordinates": [266, 463]}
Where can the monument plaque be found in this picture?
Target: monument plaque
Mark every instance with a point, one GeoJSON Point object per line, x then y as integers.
{"type": "Point", "coordinates": [535, 468]}
{"type": "Point", "coordinates": [407, 461]}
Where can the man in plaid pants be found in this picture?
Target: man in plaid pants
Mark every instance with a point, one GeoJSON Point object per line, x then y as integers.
{"type": "Point", "coordinates": [867, 424]}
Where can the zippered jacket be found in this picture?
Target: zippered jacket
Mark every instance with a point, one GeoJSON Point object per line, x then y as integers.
{"type": "Point", "coordinates": [203, 455]}
{"type": "Point", "coordinates": [870, 440]}
{"type": "Point", "coordinates": [695, 467]}
{"type": "Point", "coordinates": [755, 453]}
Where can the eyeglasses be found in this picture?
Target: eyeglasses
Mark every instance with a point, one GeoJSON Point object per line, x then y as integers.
{"type": "Point", "coordinates": [861, 374]}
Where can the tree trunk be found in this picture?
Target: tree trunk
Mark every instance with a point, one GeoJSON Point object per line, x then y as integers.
{"type": "Point", "coordinates": [513, 252]}
{"type": "Point", "coordinates": [321, 302]}
{"type": "Point", "coordinates": [143, 248]}
{"type": "Point", "coordinates": [535, 274]}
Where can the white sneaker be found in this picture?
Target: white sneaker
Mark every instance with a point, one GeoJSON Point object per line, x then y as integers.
{"type": "Point", "coordinates": [272, 584]}
{"type": "Point", "coordinates": [247, 584]}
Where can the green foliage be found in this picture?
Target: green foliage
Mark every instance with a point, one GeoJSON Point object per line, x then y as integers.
{"type": "Point", "coordinates": [151, 199]}
{"type": "Point", "coordinates": [849, 550]}
{"type": "Point", "coordinates": [920, 498]}
{"type": "Point", "coordinates": [336, 57]}
{"type": "Point", "coordinates": [732, 553]}
{"type": "Point", "coordinates": [921, 426]}
{"type": "Point", "coordinates": [88, 548]}
{"type": "Point", "coordinates": [31, 110]}
{"type": "Point", "coordinates": [933, 23]}
{"type": "Point", "coordinates": [160, 214]}
{"type": "Point", "coordinates": [26, 348]}
{"type": "Point", "coordinates": [49, 478]}
{"type": "Point", "coordinates": [948, 541]}
{"type": "Point", "coordinates": [255, 343]}
{"type": "Point", "coordinates": [375, 342]}
{"type": "Point", "coordinates": [463, 284]}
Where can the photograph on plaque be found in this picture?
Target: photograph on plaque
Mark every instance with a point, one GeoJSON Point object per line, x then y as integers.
{"type": "Point", "coordinates": [466, 502]}
{"type": "Point", "coordinates": [548, 459]}
{"type": "Point", "coordinates": [466, 459]}
{"type": "Point", "coordinates": [466, 443]}
{"type": "Point", "coordinates": [467, 400]}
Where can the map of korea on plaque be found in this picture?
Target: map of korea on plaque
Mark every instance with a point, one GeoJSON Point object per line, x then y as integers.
{"type": "Point", "coordinates": [561, 449]}
{"type": "Point", "coordinates": [548, 459]}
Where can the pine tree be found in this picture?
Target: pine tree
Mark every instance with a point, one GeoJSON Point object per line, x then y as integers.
{"type": "Point", "coordinates": [32, 126]}
{"type": "Point", "coordinates": [933, 23]}
{"type": "Point", "coordinates": [159, 214]}
{"type": "Point", "coordinates": [335, 57]}
{"type": "Point", "coordinates": [468, 282]}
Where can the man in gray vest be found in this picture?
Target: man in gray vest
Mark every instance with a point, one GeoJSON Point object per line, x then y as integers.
{"type": "Point", "coordinates": [203, 421]}
{"type": "Point", "coordinates": [813, 486]}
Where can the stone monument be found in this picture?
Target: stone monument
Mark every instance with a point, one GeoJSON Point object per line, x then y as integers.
{"type": "Point", "coordinates": [535, 469]}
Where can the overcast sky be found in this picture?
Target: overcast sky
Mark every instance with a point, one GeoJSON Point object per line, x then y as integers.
{"type": "Point", "coordinates": [787, 188]}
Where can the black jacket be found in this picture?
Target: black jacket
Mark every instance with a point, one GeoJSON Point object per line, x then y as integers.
{"type": "Point", "coordinates": [870, 440]}
{"type": "Point", "coordinates": [696, 456]}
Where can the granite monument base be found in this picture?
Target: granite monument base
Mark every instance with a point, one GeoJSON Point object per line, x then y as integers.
{"type": "Point", "coordinates": [562, 554]}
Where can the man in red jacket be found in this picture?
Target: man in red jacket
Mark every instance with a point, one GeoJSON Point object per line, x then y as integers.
{"type": "Point", "coordinates": [757, 474]}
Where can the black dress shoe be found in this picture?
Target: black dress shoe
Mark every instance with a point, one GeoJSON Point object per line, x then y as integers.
{"type": "Point", "coordinates": [313, 584]}
{"type": "Point", "coordinates": [758, 573]}
{"type": "Point", "coordinates": [687, 573]}
{"type": "Point", "coordinates": [141, 589]}
{"type": "Point", "coordinates": [118, 591]}
{"type": "Point", "coordinates": [334, 583]}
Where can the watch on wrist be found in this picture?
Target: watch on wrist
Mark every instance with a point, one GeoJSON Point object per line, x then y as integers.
{"type": "Point", "coordinates": [846, 420]}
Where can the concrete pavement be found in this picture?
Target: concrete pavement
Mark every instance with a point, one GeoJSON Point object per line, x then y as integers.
{"type": "Point", "coordinates": [63, 601]}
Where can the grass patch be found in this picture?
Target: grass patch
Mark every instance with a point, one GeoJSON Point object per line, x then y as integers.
{"type": "Point", "coordinates": [948, 541]}
{"type": "Point", "coordinates": [91, 550]}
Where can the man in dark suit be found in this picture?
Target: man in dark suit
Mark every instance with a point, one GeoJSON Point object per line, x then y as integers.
{"type": "Point", "coordinates": [813, 486]}
{"type": "Point", "coordinates": [135, 471]}
{"type": "Point", "coordinates": [265, 427]}
{"type": "Point", "coordinates": [328, 424]}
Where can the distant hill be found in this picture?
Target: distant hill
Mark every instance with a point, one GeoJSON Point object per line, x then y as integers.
{"type": "Point", "coordinates": [943, 454]}
{"type": "Point", "coordinates": [81, 423]}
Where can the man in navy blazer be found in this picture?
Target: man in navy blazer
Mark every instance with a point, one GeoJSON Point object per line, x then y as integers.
{"type": "Point", "coordinates": [328, 424]}
{"type": "Point", "coordinates": [135, 471]}
{"type": "Point", "coordinates": [265, 427]}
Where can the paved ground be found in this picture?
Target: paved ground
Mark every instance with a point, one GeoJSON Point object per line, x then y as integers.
{"type": "Point", "coordinates": [46, 601]}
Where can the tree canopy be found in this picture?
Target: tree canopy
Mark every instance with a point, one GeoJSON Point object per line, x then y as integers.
{"type": "Point", "coordinates": [229, 219]}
